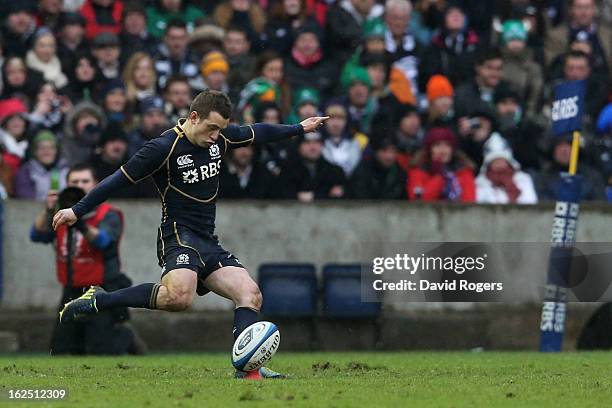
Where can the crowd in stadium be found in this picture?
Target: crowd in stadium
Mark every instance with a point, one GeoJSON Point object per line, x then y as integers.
{"type": "Point", "coordinates": [428, 99]}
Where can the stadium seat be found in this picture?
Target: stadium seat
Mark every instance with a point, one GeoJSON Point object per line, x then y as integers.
{"type": "Point", "coordinates": [342, 293]}
{"type": "Point", "coordinates": [289, 290]}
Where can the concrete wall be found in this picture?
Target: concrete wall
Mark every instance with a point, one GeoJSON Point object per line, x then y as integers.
{"type": "Point", "coordinates": [285, 231]}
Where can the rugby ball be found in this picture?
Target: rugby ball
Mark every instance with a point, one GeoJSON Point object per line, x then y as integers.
{"type": "Point", "coordinates": [255, 346]}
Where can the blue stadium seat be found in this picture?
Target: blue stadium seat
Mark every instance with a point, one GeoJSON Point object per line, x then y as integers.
{"type": "Point", "coordinates": [289, 290]}
{"type": "Point", "coordinates": [342, 293]}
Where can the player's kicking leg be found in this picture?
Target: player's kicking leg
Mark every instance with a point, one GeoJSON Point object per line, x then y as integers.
{"type": "Point", "coordinates": [236, 284]}
{"type": "Point", "coordinates": [175, 293]}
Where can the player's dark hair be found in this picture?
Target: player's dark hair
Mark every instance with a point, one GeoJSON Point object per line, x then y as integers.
{"type": "Point", "coordinates": [487, 54]}
{"type": "Point", "coordinates": [211, 101]}
{"type": "Point", "coordinates": [82, 167]}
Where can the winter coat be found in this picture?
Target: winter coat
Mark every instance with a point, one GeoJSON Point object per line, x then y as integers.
{"type": "Point", "coordinates": [525, 76]}
{"type": "Point", "coordinates": [372, 181]}
{"type": "Point", "coordinates": [486, 192]}
{"type": "Point", "coordinates": [33, 180]}
{"type": "Point", "coordinates": [76, 148]}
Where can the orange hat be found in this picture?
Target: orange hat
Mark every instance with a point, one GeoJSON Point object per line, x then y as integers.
{"type": "Point", "coordinates": [214, 61]}
{"type": "Point", "coordinates": [439, 86]}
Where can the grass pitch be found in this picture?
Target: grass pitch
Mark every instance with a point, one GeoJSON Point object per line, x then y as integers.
{"type": "Point", "coordinates": [427, 379]}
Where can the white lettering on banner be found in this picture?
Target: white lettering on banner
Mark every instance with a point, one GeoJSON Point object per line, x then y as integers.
{"type": "Point", "coordinates": [559, 317]}
{"type": "Point", "coordinates": [565, 108]}
{"type": "Point", "coordinates": [564, 223]}
{"type": "Point", "coordinates": [548, 310]}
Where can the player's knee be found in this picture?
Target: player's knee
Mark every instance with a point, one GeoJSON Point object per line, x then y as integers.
{"type": "Point", "coordinates": [251, 297]}
{"type": "Point", "coordinates": [180, 300]}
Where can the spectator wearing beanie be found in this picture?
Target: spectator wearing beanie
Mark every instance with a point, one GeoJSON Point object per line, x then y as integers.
{"type": "Point", "coordinates": [359, 102]}
{"type": "Point", "coordinates": [214, 69]}
{"type": "Point", "coordinates": [153, 121]}
{"type": "Point", "coordinates": [339, 147]}
{"type": "Point", "coordinates": [441, 172]}
{"type": "Point", "coordinates": [43, 58]}
{"type": "Point", "coordinates": [440, 93]}
{"type": "Point", "coordinates": [524, 135]}
{"type": "Point", "coordinates": [501, 180]}
{"type": "Point", "coordinates": [13, 131]}
{"type": "Point", "coordinates": [306, 103]}
{"type": "Point", "coordinates": [102, 16]}
{"type": "Point", "coordinates": [44, 171]}
{"type": "Point", "coordinates": [380, 177]}
{"type": "Point", "coordinates": [519, 68]}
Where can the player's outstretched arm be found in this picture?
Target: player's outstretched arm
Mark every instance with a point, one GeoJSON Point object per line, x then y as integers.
{"type": "Point", "coordinates": [99, 194]}
{"type": "Point", "coordinates": [144, 163]}
{"type": "Point", "coordinates": [266, 133]}
{"type": "Point", "coordinates": [261, 133]}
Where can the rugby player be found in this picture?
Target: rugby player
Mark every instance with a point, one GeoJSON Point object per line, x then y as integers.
{"type": "Point", "coordinates": [184, 163]}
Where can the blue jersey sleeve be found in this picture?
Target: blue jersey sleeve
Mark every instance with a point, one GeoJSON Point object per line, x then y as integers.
{"type": "Point", "coordinates": [258, 133]}
{"type": "Point", "coordinates": [150, 158]}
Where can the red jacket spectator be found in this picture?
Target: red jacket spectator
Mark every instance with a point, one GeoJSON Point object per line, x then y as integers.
{"type": "Point", "coordinates": [443, 173]}
{"type": "Point", "coordinates": [102, 16]}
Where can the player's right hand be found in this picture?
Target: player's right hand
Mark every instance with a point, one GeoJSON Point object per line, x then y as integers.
{"type": "Point", "coordinates": [65, 216]}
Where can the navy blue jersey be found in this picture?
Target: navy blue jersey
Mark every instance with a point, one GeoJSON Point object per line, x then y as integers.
{"type": "Point", "coordinates": [186, 176]}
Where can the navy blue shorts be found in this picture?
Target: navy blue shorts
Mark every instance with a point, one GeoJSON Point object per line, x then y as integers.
{"type": "Point", "coordinates": [179, 247]}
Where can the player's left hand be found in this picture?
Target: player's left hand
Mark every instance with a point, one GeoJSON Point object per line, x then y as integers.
{"type": "Point", "coordinates": [65, 216]}
{"type": "Point", "coordinates": [313, 123]}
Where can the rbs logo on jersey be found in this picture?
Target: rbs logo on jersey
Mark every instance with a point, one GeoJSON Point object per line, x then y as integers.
{"type": "Point", "coordinates": [205, 172]}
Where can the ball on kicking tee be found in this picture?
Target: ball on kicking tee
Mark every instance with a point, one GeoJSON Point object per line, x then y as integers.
{"type": "Point", "coordinates": [255, 346]}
